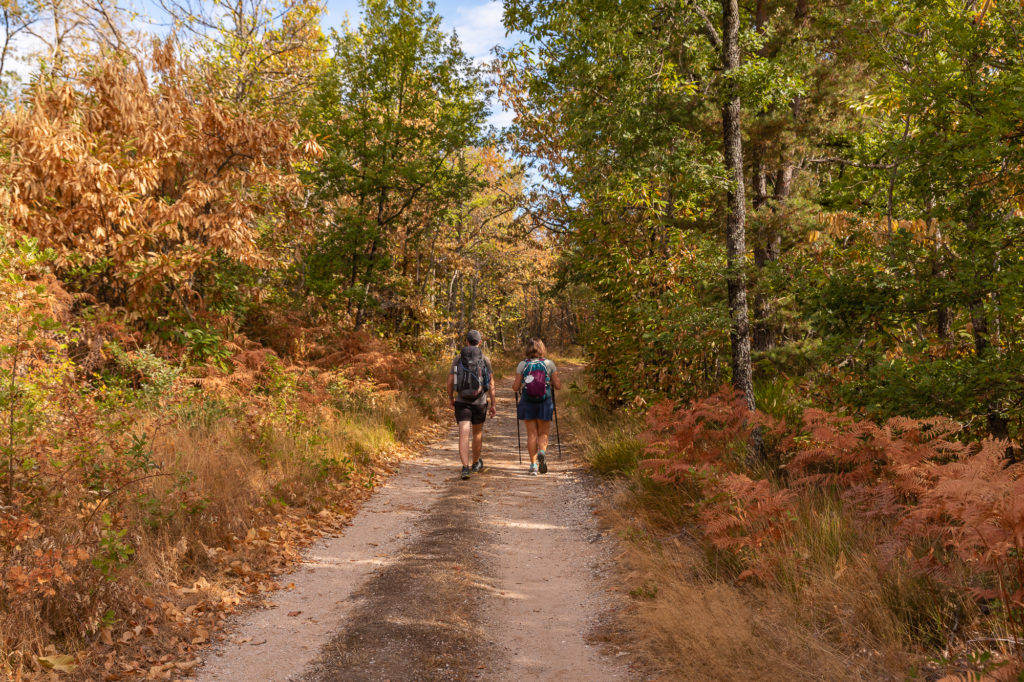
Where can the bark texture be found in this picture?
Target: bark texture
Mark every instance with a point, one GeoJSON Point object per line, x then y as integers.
{"type": "Point", "coordinates": [998, 426]}
{"type": "Point", "coordinates": [767, 251]}
{"type": "Point", "coordinates": [736, 240]}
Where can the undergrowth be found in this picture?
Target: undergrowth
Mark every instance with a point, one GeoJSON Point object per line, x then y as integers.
{"type": "Point", "coordinates": [145, 494]}
{"type": "Point", "coordinates": [888, 549]}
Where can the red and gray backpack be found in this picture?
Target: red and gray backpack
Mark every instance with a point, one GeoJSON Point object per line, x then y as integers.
{"type": "Point", "coordinates": [536, 381]}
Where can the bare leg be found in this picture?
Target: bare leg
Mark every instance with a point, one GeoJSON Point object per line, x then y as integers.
{"type": "Point", "coordinates": [543, 427]}
{"type": "Point", "coordinates": [464, 429]}
{"type": "Point", "coordinates": [478, 441]}
{"type": "Point", "coordinates": [531, 437]}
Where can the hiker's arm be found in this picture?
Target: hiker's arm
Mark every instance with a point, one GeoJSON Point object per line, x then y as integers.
{"type": "Point", "coordinates": [451, 388]}
{"type": "Point", "coordinates": [518, 383]}
{"type": "Point", "coordinates": [493, 400]}
{"type": "Point", "coordinates": [556, 381]}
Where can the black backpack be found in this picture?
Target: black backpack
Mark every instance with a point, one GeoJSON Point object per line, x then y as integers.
{"type": "Point", "coordinates": [472, 377]}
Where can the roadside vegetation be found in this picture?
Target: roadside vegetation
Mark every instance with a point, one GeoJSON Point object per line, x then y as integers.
{"type": "Point", "coordinates": [796, 231]}
{"type": "Point", "coordinates": [862, 551]}
{"type": "Point", "coordinates": [788, 238]}
{"type": "Point", "coordinates": [231, 259]}
{"type": "Point", "coordinates": [151, 489]}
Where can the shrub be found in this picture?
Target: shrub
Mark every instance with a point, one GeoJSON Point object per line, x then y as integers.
{"type": "Point", "coordinates": [138, 182]}
{"type": "Point", "coordinates": [948, 512]}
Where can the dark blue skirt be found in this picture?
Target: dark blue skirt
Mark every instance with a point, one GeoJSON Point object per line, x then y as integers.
{"type": "Point", "coordinates": [543, 411]}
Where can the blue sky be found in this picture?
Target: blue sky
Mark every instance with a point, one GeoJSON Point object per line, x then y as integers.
{"type": "Point", "coordinates": [478, 25]}
{"type": "Point", "coordinates": [477, 22]}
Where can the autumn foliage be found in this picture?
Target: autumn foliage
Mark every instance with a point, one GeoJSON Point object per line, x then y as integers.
{"type": "Point", "coordinates": [142, 501]}
{"type": "Point", "coordinates": [951, 510]}
{"type": "Point", "coordinates": [137, 181]}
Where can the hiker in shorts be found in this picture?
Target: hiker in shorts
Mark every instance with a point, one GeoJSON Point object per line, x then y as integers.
{"type": "Point", "coordinates": [470, 382]}
{"type": "Point", "coordinates": [536, 380]}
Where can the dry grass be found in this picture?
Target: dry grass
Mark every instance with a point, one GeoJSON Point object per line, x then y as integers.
{"type": "Point", "coordinates": [830, 616]}
{"type": "Point", "coordinates": [689, 624]}
{"type": "Point", "coordinates": [238, 484]}
{"type": "Point", "coordinates": [689, 619]}
{"type": "Point", "coordinates": [830, 566]}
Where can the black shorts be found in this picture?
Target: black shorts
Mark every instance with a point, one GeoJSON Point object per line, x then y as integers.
{"type": "Point", "coordinates": [476, 414]}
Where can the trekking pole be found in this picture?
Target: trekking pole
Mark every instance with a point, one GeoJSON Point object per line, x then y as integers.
{"type": "Point", "coordinates": [558, 435]}
{"type": "Point", "coordinates": [519, 439]}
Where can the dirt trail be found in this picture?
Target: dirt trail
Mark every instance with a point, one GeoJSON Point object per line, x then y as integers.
{"type": "Point", "coordinates": [501, 577]}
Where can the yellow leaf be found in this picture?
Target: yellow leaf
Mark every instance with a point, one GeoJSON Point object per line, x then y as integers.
{"type": "Point", "coordinates": [59, 662]}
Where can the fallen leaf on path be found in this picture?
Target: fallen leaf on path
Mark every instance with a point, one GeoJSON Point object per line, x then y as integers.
{"type": "Point", "coordinates": [59, 662]}
{"type": "Point", "coordinates": [292, 614]}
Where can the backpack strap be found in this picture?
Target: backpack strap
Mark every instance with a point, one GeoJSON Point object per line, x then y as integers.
{"type": "Point", "coordinates": [533, 361]}
{"type": "Point", "coordinates": [461, 370]}
{"type": "Point", "coordinates": [530, 362]}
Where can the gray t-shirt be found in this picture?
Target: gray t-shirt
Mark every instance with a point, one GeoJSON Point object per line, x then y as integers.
{"type": "Point", "coordinates": [548, 364]}
{"type": "Point", "coordinates": [482, 398]}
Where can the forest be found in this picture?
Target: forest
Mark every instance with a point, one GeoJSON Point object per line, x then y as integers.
{"type": "Point", "coordinates": [786, 238]}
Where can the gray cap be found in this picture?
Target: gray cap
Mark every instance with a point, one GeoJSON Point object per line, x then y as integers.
{"type": "Point", "coordinates": [473, 337]}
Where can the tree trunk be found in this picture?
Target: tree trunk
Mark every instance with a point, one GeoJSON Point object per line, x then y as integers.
{"type": "Point", "coordinates": [998, 427]}
{"type": "Point", "coordinates": [944, 324]}
{"type": "Point", "coordinates": [802, 10]}
{"type": "Point", "coordinates": [944, 316]}
{"type": "Point", "coordinates": [361, 306]}
{"type": "Point", "coordinates": [352, 280]}
{"type": "Point", "coordinates": [736, 240]}
{"type": "Point", "coordinates": [472, 303]}
{"type": "Point", "coordinates": [761, 14]}
{"type": "Point", "coordinates": [768, 252]}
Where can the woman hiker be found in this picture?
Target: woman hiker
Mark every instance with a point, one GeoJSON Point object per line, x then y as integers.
{"type": "Point", "coordinates": [536, 380]}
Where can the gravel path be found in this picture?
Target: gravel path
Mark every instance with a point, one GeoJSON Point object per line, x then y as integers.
{"type": "Point", "coordinates": [501, 577]}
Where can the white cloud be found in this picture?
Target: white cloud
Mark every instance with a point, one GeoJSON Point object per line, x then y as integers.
{"type": "Point", "coordinates": [479, 28]}
{"type": "Point", "coordinates": [500, 118]}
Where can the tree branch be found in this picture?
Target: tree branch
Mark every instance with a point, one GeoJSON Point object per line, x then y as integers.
{"type": "Point", "coordinates": [855, 164]}
{"type": "Point", "coordinates": [709, 27]}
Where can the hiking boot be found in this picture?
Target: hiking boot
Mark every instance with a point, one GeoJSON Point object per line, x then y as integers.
{"type": "Point", "coordinates": [465, 473]}
{"type": "Point", "coordinates": [533, 468]}
{"type": "Point", "coordinates": [542, 462]}
{"type": "Point", "coordinates": [478, 466]}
